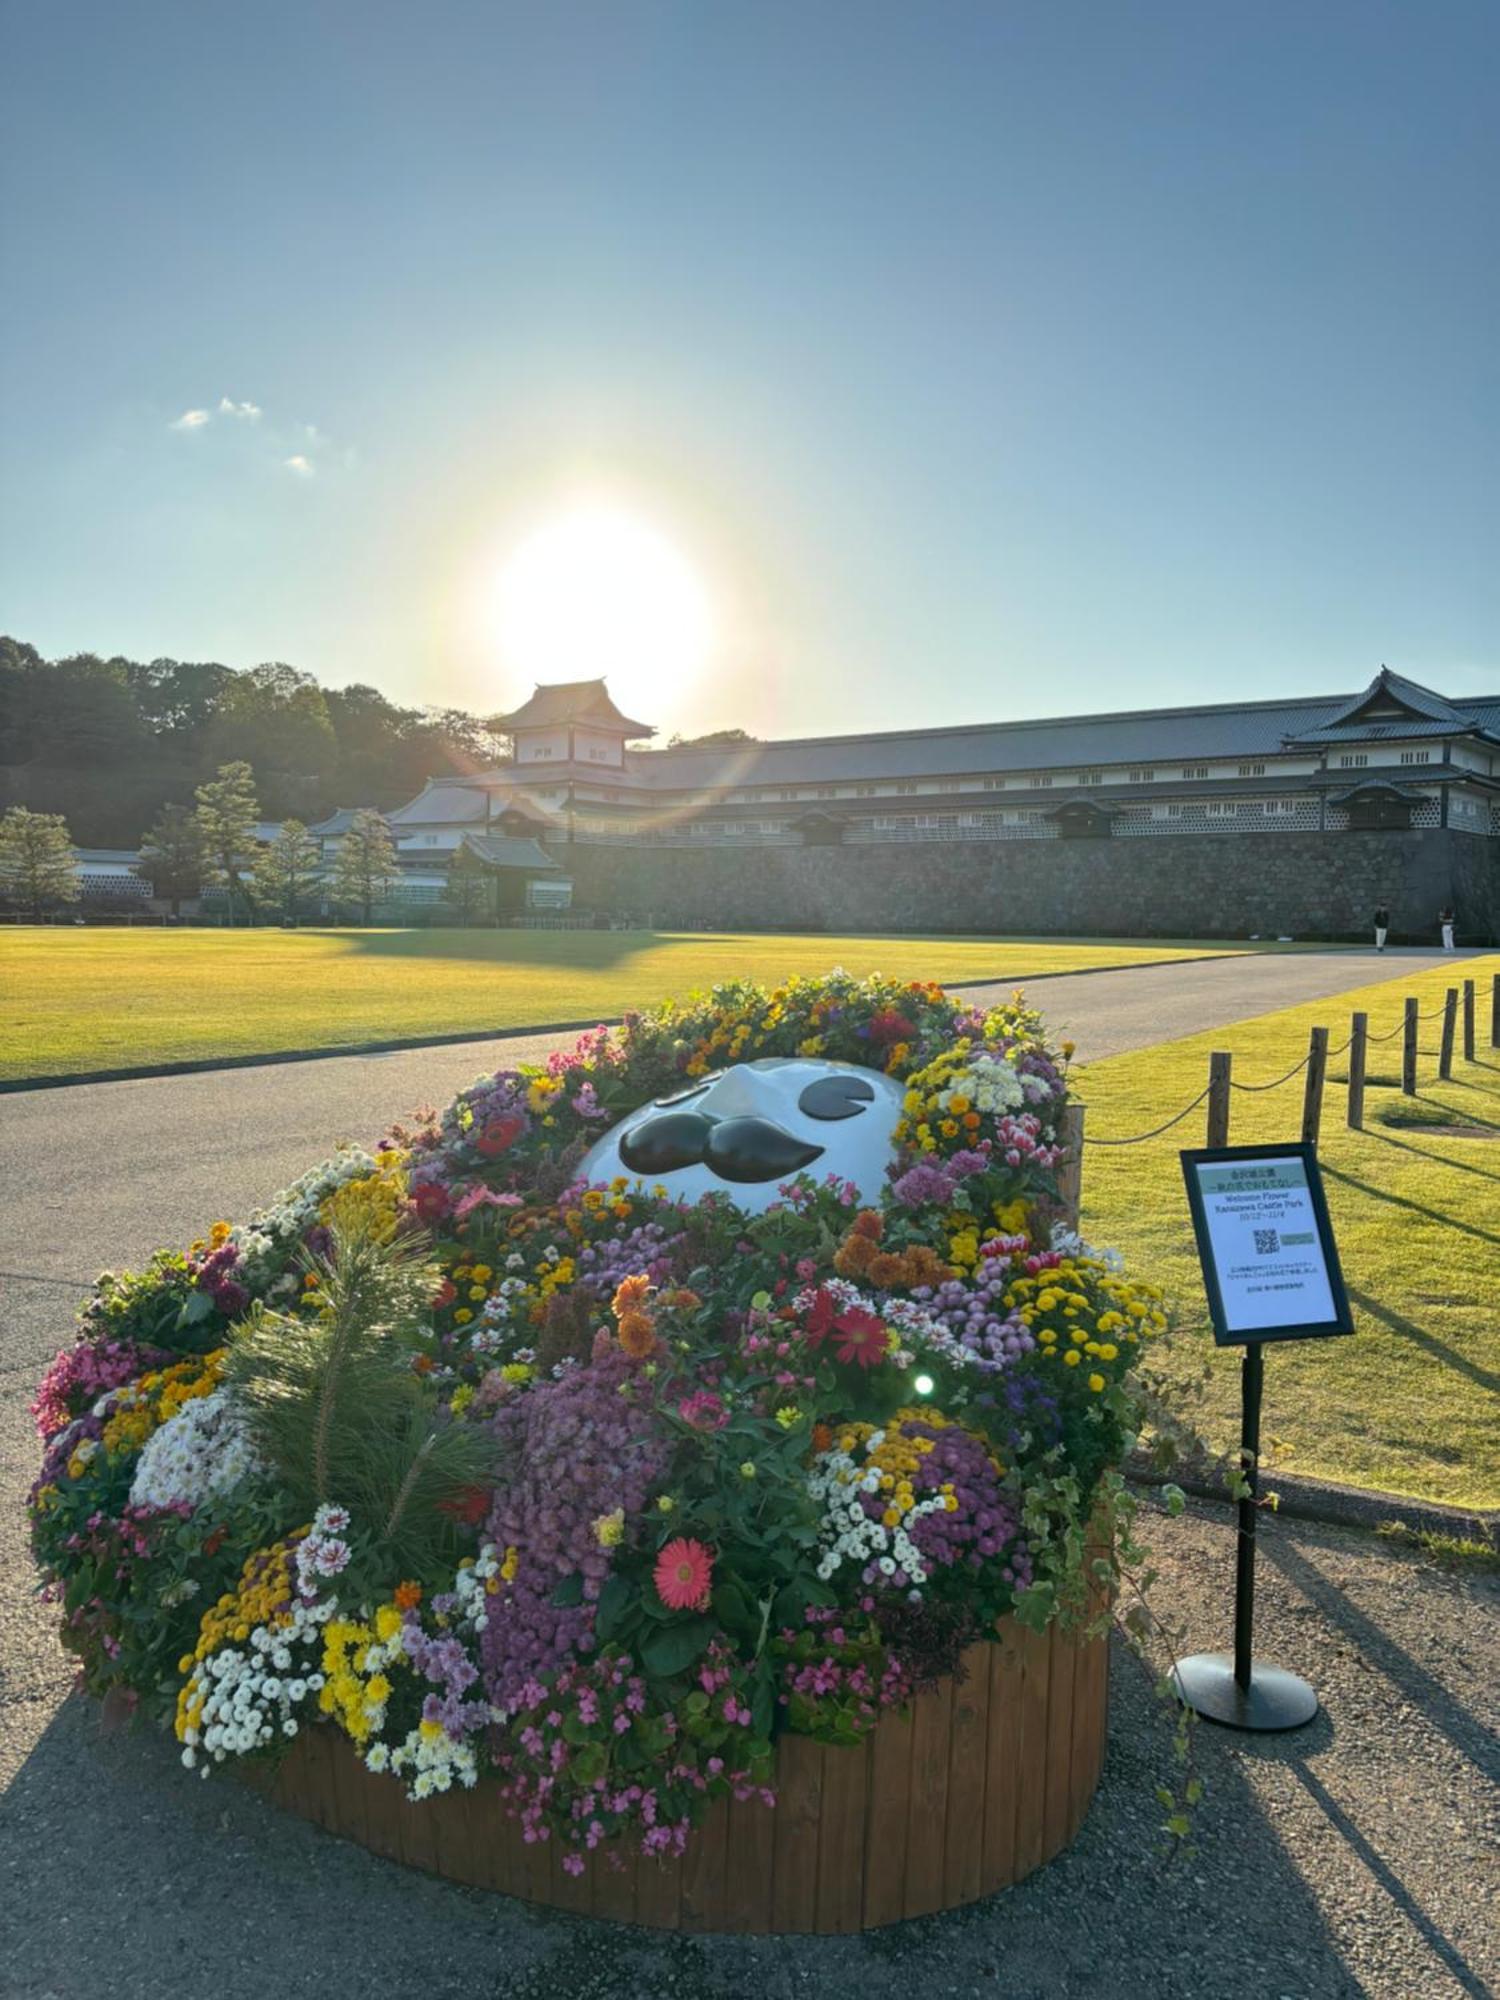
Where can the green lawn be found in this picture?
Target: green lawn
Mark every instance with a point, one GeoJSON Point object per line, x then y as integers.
{"type": "Point", "coordinates": [1409, 1403]}
{"type": "Point", "coordinates": [75, 1000]}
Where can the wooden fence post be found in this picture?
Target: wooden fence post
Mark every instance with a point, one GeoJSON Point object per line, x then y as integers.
{"type": "Point", "coordinates": [1359, 1031]}
{"type": "Point", "coordinates": [1070, 1167]}
{"type": "Point", "coordinates": [1468, 1020]}
{"type": "Point", "coordinates": [1450, 1021]}
{"type": "Point", "coordinates": [1218, 1098]}
{"type": "Point", "coordinates": [1409, 1047]}
{"type": "Point", "coordinates": [1312, 1092]}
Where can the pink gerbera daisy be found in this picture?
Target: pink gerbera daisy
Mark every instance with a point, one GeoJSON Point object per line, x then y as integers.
{"type": "Point", "coordinates": [684, 1570]}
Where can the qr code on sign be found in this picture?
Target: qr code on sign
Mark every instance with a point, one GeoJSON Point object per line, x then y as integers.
{"type": "Point", "coordinates": [1267, 1242]}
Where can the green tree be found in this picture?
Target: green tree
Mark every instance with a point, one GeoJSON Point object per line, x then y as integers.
{"type": "Point", "coordinates": [172, 857]}
{"type": "Point", "coordinates": [289, 870]}
{"type": "Point", "coordinates": [468, 891]}
{"type": "Point", "coordinates": [37, 864]}
{"type": "Point", "coordinates": [364, 869]}
{"type": "Point", "coordinates": [226, 817]}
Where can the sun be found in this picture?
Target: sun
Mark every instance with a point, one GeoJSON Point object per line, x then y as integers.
{"type": "Point", "coordinates": [599, 591]}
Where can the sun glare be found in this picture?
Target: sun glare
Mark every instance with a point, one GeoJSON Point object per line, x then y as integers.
{"type": "Point", "coordinates": [599, 591]}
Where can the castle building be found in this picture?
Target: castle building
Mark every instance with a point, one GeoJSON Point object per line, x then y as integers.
{"type": "Point", "coordinates": [1232, 819]}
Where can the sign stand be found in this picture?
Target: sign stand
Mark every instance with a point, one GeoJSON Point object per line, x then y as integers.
{"type": "Point", "coordinates": [1271, 1271]}
{"type": "Point", "coordinates": [1235, 1688]}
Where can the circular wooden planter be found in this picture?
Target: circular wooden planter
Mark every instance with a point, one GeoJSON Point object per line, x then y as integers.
{"type": "Point", "coordinates": [976, 1785]}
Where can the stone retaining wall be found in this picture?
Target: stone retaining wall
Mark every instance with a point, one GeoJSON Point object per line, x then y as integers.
{"type": "Point", "coordinates": [1183, 885]}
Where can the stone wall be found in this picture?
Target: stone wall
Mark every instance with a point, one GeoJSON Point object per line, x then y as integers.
{"type": "Point", "coordinates": [1180, 885]}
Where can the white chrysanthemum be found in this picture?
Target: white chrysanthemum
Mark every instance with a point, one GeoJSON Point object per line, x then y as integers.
{"type": "Point", "coordinates": [200, 1453]}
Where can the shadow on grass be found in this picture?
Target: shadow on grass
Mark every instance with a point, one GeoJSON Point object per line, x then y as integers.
{"type": "Point", "coordinates": [1386, 1134]}
{"type": "Point", "coordinates": [1482, 1378]}
{"type": "Point", "coordinates": [568, 951]}
{"type": "Point", "coordinates": [1413, 1207]}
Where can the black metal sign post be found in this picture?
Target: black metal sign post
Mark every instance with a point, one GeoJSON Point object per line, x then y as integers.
{"type": "Point", "coordinates": [1266, 1245]}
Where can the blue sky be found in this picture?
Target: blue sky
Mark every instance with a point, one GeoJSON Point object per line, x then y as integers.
{"type": "Point", "coordinates": [984, 359]}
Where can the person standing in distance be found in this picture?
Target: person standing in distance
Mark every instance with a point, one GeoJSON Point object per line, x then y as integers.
{"type": "Point", "coordinates": [1382, 925]}
{"type": "Point", "coordinates": [1445, 921]}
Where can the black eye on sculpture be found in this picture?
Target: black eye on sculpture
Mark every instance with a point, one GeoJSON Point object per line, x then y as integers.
{"type": "Point", "coordinates": [662, 1145]}
{"type": "Point", "coordinates": [693, 1090]}
{"type": "Point", "coordinates": [836, 1097]}
{"type": "Point", "coordinates": [755, 1149]}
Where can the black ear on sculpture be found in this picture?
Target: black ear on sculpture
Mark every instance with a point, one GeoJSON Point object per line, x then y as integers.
{"type": "Point", "coordinates": [838, 1096]}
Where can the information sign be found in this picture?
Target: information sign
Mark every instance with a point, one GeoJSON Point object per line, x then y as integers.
{"type": "Point", "coordinates": [1270, 1264]}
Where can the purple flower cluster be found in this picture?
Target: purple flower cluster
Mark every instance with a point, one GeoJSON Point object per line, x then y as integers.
{"type": "Point", "coordinates": [974, 1311]}
{"type": "Point", "coordinates": [648, 1248]}
{"type": "Point", "coordinates": [984, 1527]}
{"type": "Point", "coordinates": [444, 1661]}
{"type": "Point", "coordinates": [573, 1450]}
{"type": "Point", "coordinates": [214, 1274]}
{"type": "Point", "coordinates": [81, 1374]}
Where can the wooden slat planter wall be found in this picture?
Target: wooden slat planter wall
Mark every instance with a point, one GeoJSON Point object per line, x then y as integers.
{"type": "Point", "coordinates": [980, 1783]}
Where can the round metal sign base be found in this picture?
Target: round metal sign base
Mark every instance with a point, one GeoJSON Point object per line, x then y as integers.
{"type": "Point", "coordinates": [1276, 1699]}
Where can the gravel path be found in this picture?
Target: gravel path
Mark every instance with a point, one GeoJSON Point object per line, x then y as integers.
{"type": "Point", "coordinates": [1355, 1858]}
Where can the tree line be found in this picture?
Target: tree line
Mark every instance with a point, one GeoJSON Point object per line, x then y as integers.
{"type": "Point", "coordinates": [105, 742]}
{"type": "Point", "coordinates": [212, 847]}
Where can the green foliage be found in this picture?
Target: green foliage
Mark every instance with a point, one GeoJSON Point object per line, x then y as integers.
{"type": "Point", "coordinates": [364, 869]}
{"type": "Point", "coordinates": [172, 859]}
{"type": "Point", "coordinates": [288, 872]}
{"type": "Point", "coordinates": [105, 741]}
{"type": "Point", "coordinates": [338, 1412]}
{"type": "Point", "coordinates": [37, 862]}
{"type": "Point", "coordinates": [227, 813]}
{"type": "Point", "coordinates": [468, 890]}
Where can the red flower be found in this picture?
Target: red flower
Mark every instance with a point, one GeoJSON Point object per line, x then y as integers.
{"type": "Point", "coordinates": [821, 1316]}
{"type": "Point", "coordinates": [862, 1337]}
{"type": "Point", "coordinates": [469, 1506]}
{"type": "Point", "coordinates": [445, 1294]}
{"type": "Point", "coordinates": [684, 1572]}
{"type": "Point", "coordinates": [889, 1026]}
{"type": "Point", "coordinates": [430, 1200]}
{"type": "Point", "coordinates": [499, 1134]}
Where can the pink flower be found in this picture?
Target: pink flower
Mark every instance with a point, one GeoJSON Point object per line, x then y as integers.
{"type": "Point", "coordinates": [703, 1410]}
{"type": "Point", "coordinates": [684, 1571]}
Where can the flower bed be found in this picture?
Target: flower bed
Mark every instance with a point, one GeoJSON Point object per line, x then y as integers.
{"type": "Point", "coordinates": [593, 1497]}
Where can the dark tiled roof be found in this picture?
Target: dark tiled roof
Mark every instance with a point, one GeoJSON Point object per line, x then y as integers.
{"type": "Point", "coordinates": [508, 850]}
{"type": "Point", "coordinates": [570, 701]}
{"type": "Point", "coordinates": [338, 821]}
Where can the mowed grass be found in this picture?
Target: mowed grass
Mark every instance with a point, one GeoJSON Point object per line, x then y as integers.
{"type": "Point", "coordinates": [1408, 1404]}
{"type": "Point", "coordinates": [78, 1000]}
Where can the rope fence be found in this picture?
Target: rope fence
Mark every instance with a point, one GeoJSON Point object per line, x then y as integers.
{"type": "Point", "coordinates": [1221, 1085]}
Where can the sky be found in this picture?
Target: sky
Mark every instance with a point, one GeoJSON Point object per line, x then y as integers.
{"type": "Point", "coordinates": [978, 360]}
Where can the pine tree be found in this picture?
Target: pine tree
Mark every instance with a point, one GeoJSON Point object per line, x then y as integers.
{"type": "Point", "coordinates": [468, 890]}
{"type": "Point", "coordinates": [339, 1415]}
{"type": "Point", "coordinates": [364, 869]}
{"type": "Point", "coordinates": [172, 858]}
{"type": "Point", "coordinates": [226, 816]}
{"type": "Point", "coordinates": [37, 864]}
{"type": "Point", "coordinates": [289, 871]}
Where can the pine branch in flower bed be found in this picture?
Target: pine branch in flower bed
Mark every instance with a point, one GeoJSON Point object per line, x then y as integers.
{"type": "Point", "coordinates": [588, 1489]}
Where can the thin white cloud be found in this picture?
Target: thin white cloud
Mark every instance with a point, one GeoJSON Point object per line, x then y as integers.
{"type": "Point", "coordinates": [250, 412]}
{"type": "Point", "coordinates": [303, 467]}
{"type": "Point", "coordinates": [190, 420]}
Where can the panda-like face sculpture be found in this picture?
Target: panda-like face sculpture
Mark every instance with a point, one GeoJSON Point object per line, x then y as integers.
{"type": "Point", "coordinates": [746, 1131]}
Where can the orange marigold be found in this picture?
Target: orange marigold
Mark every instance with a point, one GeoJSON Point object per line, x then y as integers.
{"type": "Point", "coordinates": [631, 1294]}
{"type": "Point", "coordinates": [407, 1596]}
{"type": "Point", "coordinates": [637, 1335]}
